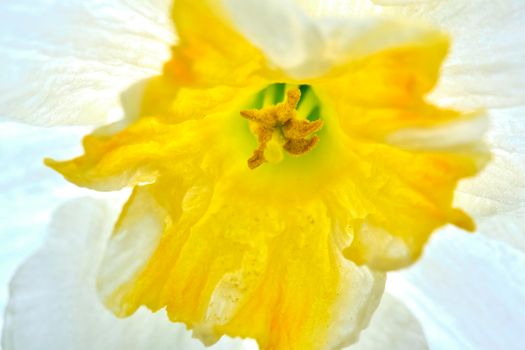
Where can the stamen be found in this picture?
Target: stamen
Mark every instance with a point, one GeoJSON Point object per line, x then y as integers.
{"type": "Point", "coordinates": [284, 119]}
{"type": "Point", "coordinates": [300, 146]}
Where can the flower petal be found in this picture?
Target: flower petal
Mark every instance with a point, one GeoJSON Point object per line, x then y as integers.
{"type": "Point", "coordinates": [393, 327]}
{"type": "Point", "coordinates": [393, 199]}
{"type": "Point", "coordinates": [396, 77]}
{"type": "Point", "coordinates": [207, 58]}
{"type": "Point", "coordinates": [305, 47]}
{"type": "Point", "coordinates": [405, 156]}
{"type": "Point", "coordinates": [29, 190]}
{"type": "Point", "coordinates": [484, 70]}
{"type": "Point", "coordinates": [138, 154]}
{"type": "Point", "coordinates": [207, 68]}
{"type": "Point", "coordinates": [338, 8]}
{"type": "Point", "coordinates": [53, 302]}
{"type": "Point", "coordinates": [398, 2]}
{"type": "Point", "coordinates": [357, 37]}
{"type": "Point", "coordinates": [501, 187]}
{"type": "Point", "coordinates": [485, 66]}
{"type": "Point", "coordinates": [291, 40]}
{"type": "Point", "coordinates": [467, 291]}
{"type": "Point", "coordinates": [496, 197]}
{"type": "Point", "coordinates": [257, 274]}
{"type": "Point", "coordinates": [67, 62]}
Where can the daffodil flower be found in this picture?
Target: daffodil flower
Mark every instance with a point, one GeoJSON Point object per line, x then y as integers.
{"type": "Point", "coordinates": [265, 186]}
{"type": "Point", "coordinates": [280, 165]}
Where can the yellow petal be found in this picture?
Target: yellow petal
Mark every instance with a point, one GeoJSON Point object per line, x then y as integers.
{"type": "Point", "coordinates": [403, 157]}
{"type": "Point", "coordinates": [210, 57]}
{"type": "Point", "coordinates": [134, 155]}
{"type": "Point", "coordinates": [208, 68]}
{"type": "Point", "coordinates": [393, 199]}
{"type": "Point", "coordinates": [271, 270]}
{"type": "Point", "coordinates": [384, 94]}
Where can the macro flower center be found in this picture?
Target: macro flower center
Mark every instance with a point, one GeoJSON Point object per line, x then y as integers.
{"type": "Point", "coordinates": [279, 126]}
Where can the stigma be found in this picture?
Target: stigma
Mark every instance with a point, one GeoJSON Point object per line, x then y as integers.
{"type": "Point", "coordinates": [279, 127]}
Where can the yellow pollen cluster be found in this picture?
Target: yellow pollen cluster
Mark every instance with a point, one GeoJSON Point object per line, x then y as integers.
{"type": "Point", "coordinates": [280, 127]}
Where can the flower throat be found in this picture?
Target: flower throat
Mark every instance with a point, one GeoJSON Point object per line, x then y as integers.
{"type": "Point", "coordinates": [281, 125]}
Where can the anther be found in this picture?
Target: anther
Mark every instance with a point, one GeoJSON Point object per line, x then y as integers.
{"type": "Point", "coordinates": [296, 139]}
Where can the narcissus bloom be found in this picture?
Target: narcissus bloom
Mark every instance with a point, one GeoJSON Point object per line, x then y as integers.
{"type": "Point", "coordinates": [262, 193]}
{"type": "Point", "coordinates": [280, 165]}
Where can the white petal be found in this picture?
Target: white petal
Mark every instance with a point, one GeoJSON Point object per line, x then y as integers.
{"type": "Point", "coordinates": [306, 46]}
{"type": "Point", "coordinates": [282, 31]}
{"type": "Point", "coordinates": [338, 8]}
{"type": "Point", "coordinates": [506, 227]}
{"type": "Point", "coordinates": [393, 327]}
{"type": "Point", "coordinates": [500, 188]}
{"type": "Point", "coordinates": [29, 190]}
{"type": "Point", "coordinates": [496, 197]}
{"type": "Point", "coordinates": [66, 62]}
{"type": "Point", "coordinates": [485, 67]}
{"type": "Point", "coordinates": [53, 301]}
{"type": "Point", "coordinates": [398, 2]}
{"type": "Point", "coordinates": [468, 291]}
{"type": "Point", "coordinates": [355, 37]}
